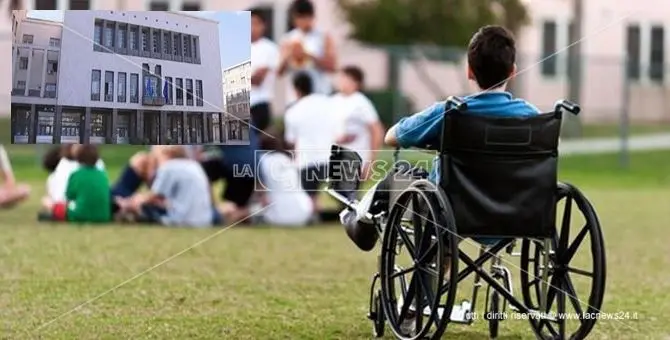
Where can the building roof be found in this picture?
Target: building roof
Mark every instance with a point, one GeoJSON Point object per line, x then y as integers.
{"type": "Point", "coordinates": [237, 65]}
{"type": "Point", "coordinates": [186, 14]}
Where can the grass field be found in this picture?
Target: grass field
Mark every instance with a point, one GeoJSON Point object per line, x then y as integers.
{"type": "Point", "coordinates": [262, 283]}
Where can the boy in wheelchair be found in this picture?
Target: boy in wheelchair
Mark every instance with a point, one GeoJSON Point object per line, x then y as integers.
{"type": "Point", "coordinates": [491, 60]}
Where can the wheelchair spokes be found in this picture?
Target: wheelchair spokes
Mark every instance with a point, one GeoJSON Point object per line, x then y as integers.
{"type": "Point", "coordinates": [415, 309]}
{"type": "Point", "coordinates": [573, 291]}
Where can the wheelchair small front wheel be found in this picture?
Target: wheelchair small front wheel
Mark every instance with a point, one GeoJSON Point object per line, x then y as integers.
{"type": "Point", "coordinates": [377, 316]}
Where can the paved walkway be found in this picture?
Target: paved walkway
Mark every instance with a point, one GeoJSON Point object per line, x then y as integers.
{"type": "Point", "coordinates": [612, 145]}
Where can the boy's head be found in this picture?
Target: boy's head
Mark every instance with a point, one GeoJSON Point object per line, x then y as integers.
{"type": "Point", "coordinates": [257, 25]}
{"type": "Point", "coordinates": [67, 151]}
{"type": "Point", "coordinates": [52, 158]}
{"type": "Point", "coordinates": [87, 154]}
{"type": "Point", "coordinates": [302, 84]}
{"type": "Point", "coordinates": [350, 79]}
{"type": "Point", "coordinates": [302, 14]}
{"type": "Point", "coordinates": [491, 57]}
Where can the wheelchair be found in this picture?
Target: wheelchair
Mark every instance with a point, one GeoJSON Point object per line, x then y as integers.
{"type": "Point", "coordinates": [498, 185]}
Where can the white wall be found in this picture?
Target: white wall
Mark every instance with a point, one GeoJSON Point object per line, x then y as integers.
{"type": "Point", "coordinates": [78, 58]}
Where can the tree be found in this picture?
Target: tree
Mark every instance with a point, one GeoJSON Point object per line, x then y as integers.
{"type": "Point", "coordinates": [448, 23]}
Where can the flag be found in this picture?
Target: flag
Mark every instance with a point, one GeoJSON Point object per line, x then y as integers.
{"type": "Point", "coordinates": [147, 90]}
{"type": "Point", "coordinates": [165, 91]}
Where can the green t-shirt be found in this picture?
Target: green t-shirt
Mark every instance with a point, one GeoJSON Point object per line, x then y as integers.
{"type": "Point", "coordinates": [88, 196]}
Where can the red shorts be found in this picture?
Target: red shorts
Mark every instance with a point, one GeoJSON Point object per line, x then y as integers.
{"type": "Point", "coordinates": [59, 211]}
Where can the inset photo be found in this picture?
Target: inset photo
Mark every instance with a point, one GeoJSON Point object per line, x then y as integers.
{"type": "Point", "coordinates": [129, 77]}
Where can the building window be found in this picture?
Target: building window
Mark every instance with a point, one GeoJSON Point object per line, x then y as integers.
{"type": "Point", "coordinates": [52, 67]}
{"type": "Point", "coordinates": [196, 47]}
{"type": "Point", "coordinates": [549, 64]}
{"type": "Point", "coordinates": [157, 41]}
{"type": "Point", "coordinates": [198, 93]}
{"type": "Point", "coordinates": [187, 46]}
{"type": "Point", "coordinates": [159, 6]}
{"type": "Point", "coordinates": [28, 39]}
{"type": "Point", "coordinates": [657, 55]}
{"type": "Point", "coordinates": [166, 43]}
{"type": "Point", "coordinates": [79, 5]}
{"type": "Point", "coordinates": [54, 42]}
{"type": "Point", "coordinates": [95, 85]}
{"type": "Point", "coordinates": [176, 44]}
{"type": "Point", "coordinates": [21, 84]}
{"type": "Point", "coordinates": [108, 38]}
{"type": "Point", "coordinates": [97, 33]}
{"type": "Point", "coordinates": [168, 99]}
{"type": "Point", "coordinates": [145, 69]}
{"type": "Point", "coordinates": [180, 91]}
{"type": "Point", "coordinates": [122, 87]}
{"type": "Point", "coordinates": [121, 34]}
{"type": "Point", "coordinates": [189, 92]}
{"type": "Point", "coordinates": [134, 84]}
{"type": "Point", "coordinates": [45, 5]}
{"type": "Point", "coordinates": [109, 86]}
{"type": "Point", "coordinates": [133, 39]}
{"type": "Point", "coordinates": [190, 7]}
{"type": "Point", "coordinates": [633, 47]}
{"type": "Point", "coordinates": [145, 39]}
{"type": "Point", "coordinates": [23, 63]}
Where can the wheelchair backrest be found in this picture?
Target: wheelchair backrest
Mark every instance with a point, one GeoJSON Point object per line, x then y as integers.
{"type": "Point", "coordinates": [500, 174]}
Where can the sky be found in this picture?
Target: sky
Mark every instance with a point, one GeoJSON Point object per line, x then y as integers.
{"type": "Point", "coordinates": [234, 32]}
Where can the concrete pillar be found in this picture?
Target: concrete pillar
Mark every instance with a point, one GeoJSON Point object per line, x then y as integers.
{"type": "Point", "coordinates": [163, 128]}
{"type": "Point", "coordinates": [139, 116]}
{"type": "Point", "coordinates": [58, 123]}
{"type": "Point", "coordinates": [151, 40]}
{"type": "Point", "coordinates": [204, 126]}
{"type": "Point", "coordinates": [16, 59]}
{"type": "Point", "coordinates": [222, 137]}
{"type": "Point", "coordinates": [32, 134]}
{"type": "Point", "coordinates": [185, 138]}
{"type": "Point", "coordinates": [44, 72]}
{"type": "Point", "coordinates": [85, 131]}
{"type": "Point", "coordinates": [30, 61]}
{"type": "Point", "coordinates": [114, 124]}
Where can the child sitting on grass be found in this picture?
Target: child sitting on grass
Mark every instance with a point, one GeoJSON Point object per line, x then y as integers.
{"type": "Point", "coordinates": [11, 193]}
{"type": "Point", "coordinates": [87, 194]}
{"type": "Point", "coordinates": [179, 194]}
{"type": "Point", "coordinates": [60, 162]}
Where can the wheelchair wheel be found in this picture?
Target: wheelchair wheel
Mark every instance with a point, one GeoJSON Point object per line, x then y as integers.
{"type": "Point", "coordinates": [566, 273]}
{"type": "Point", "coordinates": [419, 241]}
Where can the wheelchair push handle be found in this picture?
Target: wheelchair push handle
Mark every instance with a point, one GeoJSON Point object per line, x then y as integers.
{"type": "Point", "coordinates": [567, 106]}
{"type": "Point", "coordinates": [457, 103]}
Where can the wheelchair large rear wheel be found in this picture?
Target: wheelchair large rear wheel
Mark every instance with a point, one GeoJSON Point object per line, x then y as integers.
{"type": "Point", "coordinates": [575, 271]}
{"type": "Point", "coordinates": [419, 242]}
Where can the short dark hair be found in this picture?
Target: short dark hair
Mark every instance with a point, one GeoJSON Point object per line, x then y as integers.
{"type": "Point", "coordinates": [66, 151]}
{"type": "Point", "coordinates": [52, 158]}
{"type": "Point", "coordinates": [88, 155]}
{"type": "Point", "coordinates": [302, 82]}
{"type": "Point", "coordinates": [355, 73]}
{"type": "Point", "coordinates": [256, 12]}
{"type": "Point", "coordinates": [302, 8]}
{"type": "Point", "coordinates": [491, 56]}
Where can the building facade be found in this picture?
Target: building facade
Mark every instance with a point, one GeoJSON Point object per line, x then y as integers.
{"type": "Point", "coordinates": [116, 77]}
{"type": "Point", "coordinates": [236, 87]}
{"type": "Point", "coordinates": [635, 29]}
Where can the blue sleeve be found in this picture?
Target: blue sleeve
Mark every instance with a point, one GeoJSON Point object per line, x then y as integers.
{"type": "Point", "coordinates": [162, 183]}
{"type": "Point", "coordinates": [421, 128]}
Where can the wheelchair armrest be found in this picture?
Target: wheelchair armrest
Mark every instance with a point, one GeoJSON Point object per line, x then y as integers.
{"type": "Point", "coordinates": [344, 169]}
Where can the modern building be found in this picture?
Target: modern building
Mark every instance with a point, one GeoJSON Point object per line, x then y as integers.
{"type": "Point", "coordinates": [116, 77]}
{"type": "Point", "coordinates": [236, 87]}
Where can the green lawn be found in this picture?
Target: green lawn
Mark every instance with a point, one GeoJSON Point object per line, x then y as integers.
{"type": "Point", "coordinates": [262, 283]}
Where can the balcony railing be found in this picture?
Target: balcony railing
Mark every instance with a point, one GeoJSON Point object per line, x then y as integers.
{"type": "Point", "coordinates": [153, 101]}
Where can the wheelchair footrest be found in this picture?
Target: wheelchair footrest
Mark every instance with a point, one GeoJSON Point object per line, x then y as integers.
{"type": "Point", "coordinates": [462, 313]}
